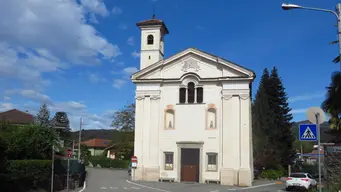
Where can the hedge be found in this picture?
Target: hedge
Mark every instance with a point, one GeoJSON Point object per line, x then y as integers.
{"type": "Point", "coordinates": [108, 163]}
{"type": "Point", "coordinates": [29, 174]}
{"type": "Point", "coordinates": [272, 174]}
{"type": "Point", "coordinates": [24, 175]}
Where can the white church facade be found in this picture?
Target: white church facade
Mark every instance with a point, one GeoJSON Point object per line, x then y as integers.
{"type": "Point", "coordinates": [193, 114]}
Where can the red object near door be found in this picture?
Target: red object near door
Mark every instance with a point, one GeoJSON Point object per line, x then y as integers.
{"type": "Point", "coordinates": [134, 159]}
{"type": "Point", "coordinates": [69, 153]}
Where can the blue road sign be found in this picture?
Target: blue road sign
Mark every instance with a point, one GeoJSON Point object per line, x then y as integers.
{"type": "Point", "coordinates": [308, 132]}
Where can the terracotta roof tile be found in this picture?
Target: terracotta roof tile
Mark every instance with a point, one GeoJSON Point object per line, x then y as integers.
{"type": "Point", "coordinates": [151, 22]}
{"type": "Point", "coordinates": [16, 116]}
{"type": "Point", "coordinates": [97, 142]}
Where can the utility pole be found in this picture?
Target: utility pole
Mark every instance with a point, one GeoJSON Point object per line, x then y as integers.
{"type": "Point", "coordinates": [73, 149]}
{"type": "Point", "coordinates": [338, 12]}
{"type": "Point", "coordinates": [79, 138]}
{"type": "Point", "coordinates": [52, 168]}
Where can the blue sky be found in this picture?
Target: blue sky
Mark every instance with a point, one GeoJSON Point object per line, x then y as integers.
{"type": "Point", "coordinates": [77, 56]}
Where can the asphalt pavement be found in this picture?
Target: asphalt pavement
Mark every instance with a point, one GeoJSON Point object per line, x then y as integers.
{"type": "Point", "coordinates": [108, 180]}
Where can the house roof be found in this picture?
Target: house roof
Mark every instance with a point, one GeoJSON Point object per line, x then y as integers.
{"type": "Point", "coordinates": [248, 72]}
{"type": "Point", "coordinates": [97, 142]}
{"type": "Point", "coordinates": [16, 116]}
{"type": "Point", "coordinates": [153, 22]}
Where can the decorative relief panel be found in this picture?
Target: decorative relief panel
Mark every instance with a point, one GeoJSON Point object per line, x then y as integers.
{"type": "Point", "coordinates": [190, 65]}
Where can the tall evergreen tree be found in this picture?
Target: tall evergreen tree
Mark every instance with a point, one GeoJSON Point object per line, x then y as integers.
{"type": "Point", "coordinates": [43, 117]}
{"type": "Point", "coordinates": [261, 116]}
{"type": "Point", "coordinates": [280, 134]}
{"type": "Point", "coordinates": [61, 122]}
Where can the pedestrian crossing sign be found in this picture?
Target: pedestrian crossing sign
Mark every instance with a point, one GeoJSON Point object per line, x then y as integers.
{"type": "Point", "coordinates": [308, 132]}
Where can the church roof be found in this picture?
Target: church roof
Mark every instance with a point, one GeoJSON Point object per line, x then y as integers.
{"type": "Point", "coordinates": [248, 73]}
{"type": "Point", "coordinates": [153, 22]}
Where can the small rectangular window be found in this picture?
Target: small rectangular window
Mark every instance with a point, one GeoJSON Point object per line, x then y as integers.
{"type": "Point", "coordinates": [169, 160]}
{"type": "Point", "coordinates": [212, 161]}
{"type": "Point", "coordinates": [182, 95]}
{"type": "Point", "coordinates": [200, 95]}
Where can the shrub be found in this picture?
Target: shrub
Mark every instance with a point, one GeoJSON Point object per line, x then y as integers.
{"type": "Point", "coordinates": [29, 174]}
{"type": "Point", "coordinates": [24, 175]}
{"type": "Point", "coordinates": [312, 169]}
{"type": "Point", "coordinates": [272, 174]}
{"type": "Point", "coordinates": [109, 163]}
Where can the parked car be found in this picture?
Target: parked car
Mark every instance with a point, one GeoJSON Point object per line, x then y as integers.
{"type": "Point", "coordinates": [300, 181]}
{"type": "Point", "coordinates": [129, 169]}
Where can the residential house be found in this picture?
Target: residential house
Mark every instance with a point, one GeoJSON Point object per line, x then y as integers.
{"type": "Point", "coordinates": [15, 116]}
{"type": "Point", "coordinates": [97, 146]}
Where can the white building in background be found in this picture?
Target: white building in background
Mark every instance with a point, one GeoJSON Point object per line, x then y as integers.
{"type": "Point", "coordinates": [193, 114]}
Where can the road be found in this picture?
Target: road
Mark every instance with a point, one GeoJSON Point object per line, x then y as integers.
{"type": "Point", "coordinates": [107, 180]}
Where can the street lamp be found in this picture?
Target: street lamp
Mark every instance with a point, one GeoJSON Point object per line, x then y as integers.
{"type": "Point", "coordinates": [337, 13]}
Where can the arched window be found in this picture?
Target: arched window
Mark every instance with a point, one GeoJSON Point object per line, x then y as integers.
{"type": "Point", "coordinates": [191, 94]}
{"type": "Point", "coordinates": [150, 39]}
{"type": "Point", "coordinates": [182, 95]}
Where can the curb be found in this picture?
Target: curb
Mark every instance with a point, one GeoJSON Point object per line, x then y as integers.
{"type": "Point", "coordinates": [84, 186]}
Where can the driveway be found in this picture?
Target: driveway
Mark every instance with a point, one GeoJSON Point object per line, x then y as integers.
{"type": "Point", "coordinates": [108, 180]}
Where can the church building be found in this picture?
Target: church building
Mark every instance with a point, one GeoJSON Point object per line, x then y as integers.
{"type": "Point", "coordinates": [193, 114]}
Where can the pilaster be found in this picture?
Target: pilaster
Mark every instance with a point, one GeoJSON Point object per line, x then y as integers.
{"type": "Point", "coordinates": [230, 139]}
{"type": "Point", "coordinates": [151, 168]}
{"type": "Point", "coordinates": [138, 145]}
{"type": "Point", "coordinates": [245, 172]}
{"type": "Point", "coordinates": [147, 134]}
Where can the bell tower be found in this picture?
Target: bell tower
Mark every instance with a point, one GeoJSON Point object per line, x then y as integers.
{"type": "Point", "coordinates": [153, 32]}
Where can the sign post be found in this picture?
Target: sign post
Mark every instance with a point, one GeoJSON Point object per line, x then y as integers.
{"type": "Point", "coordinates": [316, 115]}
{"type": "Point", "coordinates": [133, 166]}
{"type": "Point", "coordinates": [69, 155]}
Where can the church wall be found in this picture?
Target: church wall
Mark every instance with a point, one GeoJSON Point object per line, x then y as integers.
{"type": "Point", "coordinates": [190, 125]}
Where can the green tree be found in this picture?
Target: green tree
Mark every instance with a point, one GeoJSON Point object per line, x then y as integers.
{"type": "Point", "coordinates": [124, 122]}
{"type": "Point", "coordinates": [332, 104]}
{"type": "Point", "coordinates": [85, 153]}
{"type": "Point", "coordinates": [61, 122]}
{"type": "Point", "coordinates": [280, 135]}
{"type": "Point", "coordinates": [43, 117]}
{"type": "Point", "coordinates": [260, 122]}
{"type": "Point", "coordinates": [124, 119]}
{"type": "Point", "coordinates": [28, 142]}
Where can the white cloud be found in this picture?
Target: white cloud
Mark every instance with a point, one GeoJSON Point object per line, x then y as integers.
{"type": "Point", "coordinates": [135, 54]}
{"type": "Point", "coordinates": [95, 6]}
{"type": "Point", "coordinates": [95, 78]}
{"type": "Point", "coordinates": [131, 41]}
{"type": "Point", "coordinates": [6, 106]}
{"type": "Point", "coordinates": [118, 83]}
{"type": "Point", "coordinates": [116, 10]}
{"type": "Point", "coordinates": [74, 109]}
{"type": "Point", "coordinates": [31, 94]}
{"type": "Point", "coordinates": [305, 97]}
{"type": "Point", "coordinates": [130, 70]}
{"type": "Point", "coordinates": [47, 36]}
{"type": "Point", "coordinates": [6, 98]}
{"type": "Point", "coordinates": [297, 111]}
{"type": "Point", "coordinates": [123, 26]}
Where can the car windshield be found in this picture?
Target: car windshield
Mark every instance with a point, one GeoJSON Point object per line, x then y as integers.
{"type": "Point", "coordinates": [298, 175]}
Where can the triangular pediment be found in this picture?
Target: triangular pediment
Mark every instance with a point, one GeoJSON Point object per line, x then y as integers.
{"type": "Point", "coordinates": [195, 61]}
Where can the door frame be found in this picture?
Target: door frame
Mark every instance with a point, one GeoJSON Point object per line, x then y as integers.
{"type": "Point", "coordinates": [192, 145]}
